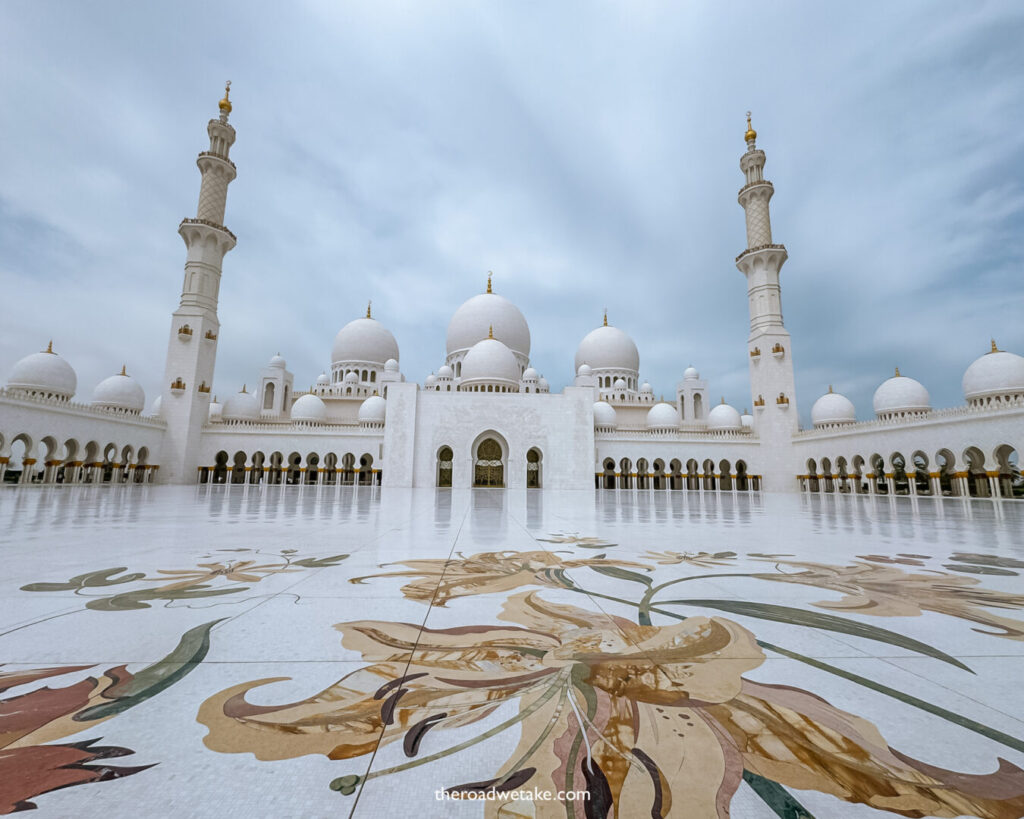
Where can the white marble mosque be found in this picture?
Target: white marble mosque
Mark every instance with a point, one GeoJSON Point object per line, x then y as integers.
{"type": "Point", "coordinates": [486, 417]}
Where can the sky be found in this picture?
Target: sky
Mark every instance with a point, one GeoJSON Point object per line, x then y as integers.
{"type": "Point", "coordinates": [587, 153]}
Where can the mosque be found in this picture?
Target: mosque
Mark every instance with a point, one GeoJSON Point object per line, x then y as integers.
{"type": "Point", "coordinates": [488, 418]}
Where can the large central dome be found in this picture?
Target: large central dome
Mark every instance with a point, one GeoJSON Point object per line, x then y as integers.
{"type": "Point", "coordinates": [476, 319]}
{"type": "Point", "coordinates": [364, 340]}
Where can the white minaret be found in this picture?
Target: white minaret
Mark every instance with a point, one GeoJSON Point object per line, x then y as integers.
{"type": "Point", "coordinates": [770, 351]}
{"type": "Point", "coordinates": [192, 347]}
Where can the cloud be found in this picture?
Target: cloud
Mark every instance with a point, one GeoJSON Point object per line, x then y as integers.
{"type": "Point", "coordinates": [588, 155]}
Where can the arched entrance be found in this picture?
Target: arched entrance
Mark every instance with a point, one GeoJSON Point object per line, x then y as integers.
{"type": "Point", "coordinates": [488, 467]}
{"type": "Point", "coordinates": [444, 467]}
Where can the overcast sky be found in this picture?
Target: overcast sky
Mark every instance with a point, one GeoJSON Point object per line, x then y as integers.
{"type": "Point", "coordinates": [587, 153]}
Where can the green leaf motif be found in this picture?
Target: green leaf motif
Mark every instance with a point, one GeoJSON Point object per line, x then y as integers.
{"type": "Point", "coordinates": [826, 622]}
{"type": "Point", "coordinates": [49, 587]}
{"type": "Point", "coordinates": [190, 651]}
{"type": "Point", "coordinates": [138, 599]}
{"type": "Point", "coordinates": [319, 563]}
{"type": "Point", "coordinates": [103, 577]}
{"type": "Point", "coordinates": [622, 574]}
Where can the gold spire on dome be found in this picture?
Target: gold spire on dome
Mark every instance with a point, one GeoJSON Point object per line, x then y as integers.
{"type": "Point", "coordinates": [605, 316]}
{"type": "Point", "coordinates": [751, 134]}
{"type": "Point", "coordinates": [723, 399]}
{"type": "Point", "coordinates": [829, 389]}
{"type": "Point", "coordinates": [897, 373]}
{"type": "Point", "coordinates": [490, 331]}
{"type": "Point", "coordinates": [225, 104]}
{"type": "Point", "coordinates": [994, 348]}
{"type": "Point", "coordinates": [49, 348]}
{"type": "Point", "coordinates": [124, 369]}
{"type": "Point", "coordinates": [489, 274]}
{"type": "Point", "coordinates": [369, 304]}
{"type": "Point", "coordinates": [243, 388]}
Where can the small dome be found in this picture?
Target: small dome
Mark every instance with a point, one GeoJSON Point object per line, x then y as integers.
{"type": "Point", "coordinates": [430, 381]}
{"type": "Point", "coordinates": [351, 378]}
{"type": "Point", "coordinates": [241, 406]}
{"type": "Point", "coordinates": [487, 314]}
{"type": "Point", "coordinates": [490, 360]}
{"type": "Point", "coordinates": [995, 373]}
{"type": "Point", "coordinates": [445, 372]}
{"type": "Point", "coordinates": [323, 380]}
{"type": "Point", "coordinates": [542, 384]}
{"type": "Point", "coordinates": [364, 340]}
{"type": "Point", "coordinates": [309, 408]}
{"type": "Point", "coordinates": [372, 410]}
{"type": "Point", "coordinates": [44, 372]}
{"type": "Point", "coordinates": [391, 365]}
{"type": "Point", "coordinates": [155, 409]}
{"type": "Point", "coordinates": [833, 408]}
{"type": "Point", "coordinates": [646, 389]}
{"type": "Point", "coordinates": [690, 373]}
{"type": "Point", "coordinates": [724, 417]}
{"type": "Point", "coordinates": [608, 348]}
{"type": "Point", "coordinates": [620, 384]}
{"type": "Point", "coordinates": [216, 411]}
{"type": "Point", "coordinates": [747, 420]}
{"type": "Point", "coordinates": [900, 394]}
{"type": "Point", "coordinates": [604, 414]}
{"type": "Point", "coordinates": [584, 370]}
{"type": "Point", "coordinates": [277, 362]}
{"type": "Point", "coordinates": [120, 392]}
{"type": "Point", "coordinates": [530, 374]}
{"type": "Point", "coordinates": [662, 416]}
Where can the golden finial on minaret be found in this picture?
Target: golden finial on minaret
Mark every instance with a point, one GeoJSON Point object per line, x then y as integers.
{"type": "Point", "coordinates": [605, 316]}
{"type": "Point", "coordinates": [243, 388]}
{"type": "Point", "coordinates": [994, 348]}
{"type": "Point", "coordinates": [897, 373]}
{"type": "Point", "coordinates": [489, 274]}
{"type": "Point", "coordinates": [124, 369]}
{"type": "Point", "coordinates": [490, 331]}
{"type": "Point", "coordinates": [369, 304]}
{"type": "Point", "coordinates": [49, 348]}
{"type": "Point", "coordinates": [225, 104]}
{"type": "Point", "coordinates": [751, 134]}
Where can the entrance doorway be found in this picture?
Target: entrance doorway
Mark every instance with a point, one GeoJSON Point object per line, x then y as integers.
{"type": "Point", "coordinates": [489, 469]}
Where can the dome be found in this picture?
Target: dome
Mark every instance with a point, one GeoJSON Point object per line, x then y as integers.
{"type": "Point", "coordinates": [646, 389]}
{"type": "Point", "coordinates": [241, 406]}
{"type": "Point", "coordinates": [724, 417]}
{"type": "Point", "coordinates": [364, 339]}
{"type": "Point", "coordinates": [490, 360]}
{"type": "Point", "coordinates": [995, 373]}
{"type": "Point", "coordinates": [216, 410]}
{"type": "Point", "coordinates": [155, 409]}
{"type": "Point", "coordinates": [44, 372]}
{"type": "Point", "coordinates": [351, 378]}
{"type": "Point", "coordinates": [584, 370]}
{"type": "Point", "coordinates": [833, 408]}
{"type": "Point", "coordinates": [445, 372]}
{"type": "Point", "coordinates": [608, 348]}
{"type": "Point", "coordinates": [620, 384]}
{"type": "Point", "coordinates": [481, 315]}
{"type": "Point", "coordinates": [690, 373]}
{"type": "Point", "coordinates": [309, 408]}
{"type": "Point", "coordinates": [662, 416]}
{"type": "Point", "coordinates": [604, 414]}
{"type": "Point", "coordinates": [277, 362]}
{"type": "Point", "coordinates": [901, 394]}
{"type": "Point", "coordinates": [747, 420]}
{"type": "Point", "coordinates": [120, 391]}
{"type": "Point", "coordinates": [542, 384]}
{"type": "Point", "coordinates": [372, 410]}
{"type": "Point", "coordinates": [391, 365]}
{"type": "Point", "coordinates": [430, 381]}
{"type": "Point", "coordinates": [530, 374]}
{"type": "Point", "coordinates": [323, 380]}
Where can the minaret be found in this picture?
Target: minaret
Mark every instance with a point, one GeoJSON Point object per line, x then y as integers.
{"type": "Point", "coordinates": [770, 351]}
{"type": "Point", "coordinates": [192, 347]}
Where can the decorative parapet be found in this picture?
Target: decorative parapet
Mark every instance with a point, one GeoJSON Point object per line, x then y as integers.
{"type": "Point", "coordinates": [208, 223]}
{"type": "Point", "coordinates": [750, 250]}
{"type": "Point", "coordinates": [925, 419]}
{"type": "Point", "coordinates": [13, 396]}
{"type": "Point", "coordinates": [288, 426]}
{"type": "Point", "coordinates": [756, 183]}
{"type": "Point", "coordinates": [683, 434]}
{"type": "Point", "coordinates": [218, 156]}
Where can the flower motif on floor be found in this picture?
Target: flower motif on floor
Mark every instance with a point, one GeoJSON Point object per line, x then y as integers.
{"type": "Point", "coordinates": [574, 539]}
{"type": "Point", "coordinates": [705, 560]}
{"type": "Point", "coordinates": [239, 571]}
{"type": "Point", "coordinates": [443, 580]}
{"type": "Point", "coordinates": [657, 718]}
{"type": "Point", "coordinates": [891, 592]}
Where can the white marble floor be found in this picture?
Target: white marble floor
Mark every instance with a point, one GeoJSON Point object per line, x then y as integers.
{"type": "Point", "coordinates": [340, 651]}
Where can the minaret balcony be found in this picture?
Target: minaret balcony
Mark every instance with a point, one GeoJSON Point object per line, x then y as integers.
{"type": "Point", "coordinates": [757, 183]}
{"type": "Point", "coordinates": [187, 222]}
{"type": "Point", "coordinates": [225, 159]}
